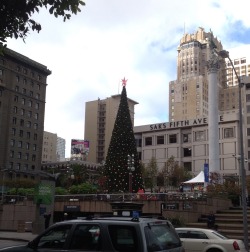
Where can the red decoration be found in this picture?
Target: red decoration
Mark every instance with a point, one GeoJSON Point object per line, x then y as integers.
{"type": "Point", "coordinates": [124, 82]}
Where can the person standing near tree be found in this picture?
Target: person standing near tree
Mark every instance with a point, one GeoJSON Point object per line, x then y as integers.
{"type": "Point", "coordinates": [47, 217]}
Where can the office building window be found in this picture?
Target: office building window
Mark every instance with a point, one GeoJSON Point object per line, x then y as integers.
{"type": "Point", "coordinates": [248, 98]}
{"type": "Point", "coordinates": [14, 120]}
{"type": "Point", "coordinates": [23, 101]}
{"type": "Point", "coordinates": [35, 136]}
{"type": "Point", "coordinates": [27, 156]}
{"type": "Point", "coordinates": [12, 142]}
{"type": "Point", "coordinates": [29, 113]}
{"type": "Point", "coordinates": [33, 157]}
{"type": "Point", "coordinates": [187, 138]}
{"type": "Point", "coordinates": [15, 98]}
{"type": "Point", "coordinates": [34, 147]}
{"type": "Point", "coordinates": [11, 154]}
{"type": "Point", "coordinates": [19, 155]}
{"type": "Point", "coordinates": [35, 126]}
{"type": "Point", "coordinates": [199, 136]}
{"type": "Point", "coordinates": [187, 152]}
{"type": "Point", "coordinates": [187, 166]}
{"type": "Point", "coordinates": [28, 135]}
{"type": "Point", "coordinates": [173, 138]}
{"type": "Point", "coordinates": [148, 141]}
{"type": "Point", "coordinates": [28, 124]}
{"type": "Point", "coordinates": [36, 116]}
{"type": "Point", "coordinates": [37, 106]}
{"type": "Point", "coordinates": [228, 132]}
{"type": "Point", "coordinates": [20, 144]}
{"type": "Point", "coordinates": [18, 166]}
{"type": "Point", "coordinates": [21, 122]}
{"type": "Point", "coordinates": [160, 140]}
{"type": "Point", "coordinates": [27, 146]}
{"type": "Point", "coordinates": [21, 133]}
{"type": "Point", "coordinates": [30, 103]}
{"type": "Point", "coordinates": [15, 110]}
{"type": "Point", "coordinates": [248, 131]}
{"type": "Point", "coordinates": [13, 131]}
{"type": "Point", "coordinates": [22, 112]}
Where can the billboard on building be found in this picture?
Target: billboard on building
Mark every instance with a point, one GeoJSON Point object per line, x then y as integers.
{"type": "Point", "coordinates": [79, 148]}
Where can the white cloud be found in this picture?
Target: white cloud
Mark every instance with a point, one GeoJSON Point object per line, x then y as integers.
{"type": "Point", "coordinates": [92, 52]}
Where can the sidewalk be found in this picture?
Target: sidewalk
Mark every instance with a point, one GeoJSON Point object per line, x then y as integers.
{"type": "Point", "coordinates": [16, 236]}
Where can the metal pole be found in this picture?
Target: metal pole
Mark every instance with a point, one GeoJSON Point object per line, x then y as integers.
{"type": "Point", "coordinates": [130, 182]}
{"type": "Point", "coordinates": [131, 168]}
{"type": "Point", "coordinates": [242, 159]}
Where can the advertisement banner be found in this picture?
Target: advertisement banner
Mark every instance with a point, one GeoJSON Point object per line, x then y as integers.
{"type": "Point", "coordinates": [206, 172]}
{"type": "Point", "coordinates": [79, 147]}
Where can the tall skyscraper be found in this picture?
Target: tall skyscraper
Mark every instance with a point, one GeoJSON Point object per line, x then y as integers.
{"type": "Point", "coordinates": [60, 149]}
{"type": "Point", "coordinates": [100, 117]}
{"type": "Point", "coordinates": [22, 105]}
{"type": "Point", "coordinates": [188, 94]}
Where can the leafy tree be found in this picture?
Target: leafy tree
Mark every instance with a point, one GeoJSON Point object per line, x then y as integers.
{"type": "Point", "coordinates": [151, 174]}
{"type": "Point", "coordinates": [174, 173]}
{"type": "Point", "coordinates": [15, 15]}
{"type": "Point", "coordinates": [122, 144]}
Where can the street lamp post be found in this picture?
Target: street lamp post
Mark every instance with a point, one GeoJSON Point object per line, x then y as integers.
{"type": "Point", "coordinates": [131, 168]}
{"type": "Point", "coordinates": [225, 54]}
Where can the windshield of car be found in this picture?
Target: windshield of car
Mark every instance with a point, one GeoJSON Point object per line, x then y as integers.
{"type": "Point", "coordinates": [54, 238]}
{"type": "Point", "coordinates": [161, 237]}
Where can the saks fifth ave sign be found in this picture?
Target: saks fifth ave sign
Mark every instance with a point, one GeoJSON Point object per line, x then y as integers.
{"type": "Point", "coordinates": [179, 124]}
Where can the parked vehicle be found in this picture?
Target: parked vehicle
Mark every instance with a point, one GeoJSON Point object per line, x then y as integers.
{"type": "Point", "coordinates": [106, 234]}
{"type": "Point", "coordinates": [208, 240]}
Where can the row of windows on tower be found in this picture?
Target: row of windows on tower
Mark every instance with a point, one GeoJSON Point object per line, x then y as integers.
{"type": "Point", "coordinates": [32, 84]}
{"type": "Point", "coordinates": [186, 138]}
{"type": "Point", "coordinates": [24, 156]}
{"type": "Point", "coordinates": [22, 134]}
{"type": "Point", "coordinates": [22, 113]}
{"type": "Point", "coordinates": [19, 166]}
{"type": "Point", "coordinates": [24, 91]}
{"type": "Point", "coordinates": [21, 144]}
{"type": "Point", "coordinates": [23, 102]}
{"type": "Point", "coordinates": [21, 123]}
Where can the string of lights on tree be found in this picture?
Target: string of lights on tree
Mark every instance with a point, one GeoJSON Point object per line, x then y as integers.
{"type": "Point", "coordinates": [122, 145]}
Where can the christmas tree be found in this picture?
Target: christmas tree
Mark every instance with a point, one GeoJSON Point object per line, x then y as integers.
{"type": "Point", "coordinates": [122, 153]}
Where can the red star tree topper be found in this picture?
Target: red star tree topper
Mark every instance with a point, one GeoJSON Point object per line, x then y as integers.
{"type": "Point", "coordinates": [124, 82]}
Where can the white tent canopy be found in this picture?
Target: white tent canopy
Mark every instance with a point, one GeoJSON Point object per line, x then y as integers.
{"type": "Point", "coordinates": [198, 179]}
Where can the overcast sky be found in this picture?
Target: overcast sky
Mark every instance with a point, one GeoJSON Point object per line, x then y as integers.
{"type": "Point", "coordinates": [112, 39]}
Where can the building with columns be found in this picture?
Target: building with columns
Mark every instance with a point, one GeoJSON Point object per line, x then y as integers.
{"type": "Point", "coordinates": [188, 141]}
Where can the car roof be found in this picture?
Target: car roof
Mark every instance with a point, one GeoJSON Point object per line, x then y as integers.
{"type": "Point", "coordinates": [120, 219]}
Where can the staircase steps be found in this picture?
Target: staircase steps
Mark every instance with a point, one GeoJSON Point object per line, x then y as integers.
{"type": "Point", "coordinates": [229, 222]}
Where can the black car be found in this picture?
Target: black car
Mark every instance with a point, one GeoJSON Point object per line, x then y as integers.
{"type": "Point", "coordinates": [106, 234]}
